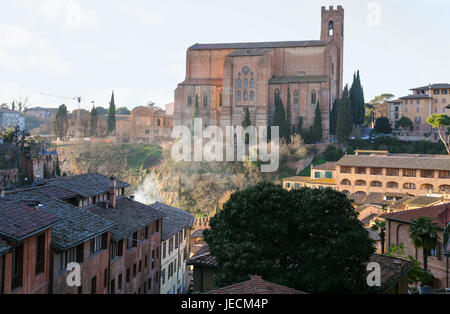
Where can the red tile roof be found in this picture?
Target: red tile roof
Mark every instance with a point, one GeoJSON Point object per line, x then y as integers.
{"type": "Point", "coordinates": [256, 285]}
{"type": "Point", "coordinates": [19, 220]}
{"type": "Point", "coordinates": [408, 215]}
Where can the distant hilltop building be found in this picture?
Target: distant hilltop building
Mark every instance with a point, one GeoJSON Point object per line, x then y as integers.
{"type": "Point", "coordinates": [227, 78]}
{"type": "Point", "coordinates": [11, 119]}
{"type": "Point", "coordinates": [422, 103]}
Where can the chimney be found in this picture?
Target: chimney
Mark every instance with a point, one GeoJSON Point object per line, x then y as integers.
{"type": "Point", "coordinates": [113, 193]}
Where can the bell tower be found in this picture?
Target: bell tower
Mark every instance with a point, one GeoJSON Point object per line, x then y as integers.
{"type": "Point", "coordinates": [333, 29]}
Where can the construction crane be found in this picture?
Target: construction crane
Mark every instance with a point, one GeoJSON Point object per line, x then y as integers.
{"type": "Point", "coordinates": [78, 99]}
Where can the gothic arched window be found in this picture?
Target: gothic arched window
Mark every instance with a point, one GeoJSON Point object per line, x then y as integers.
{"type": "Point", "coordinates": [296, 99]}
{"type": "Point", "coordinates": [331, 28]}
{"type": "Point", "coordinates": [313, 98]}
{"type": "Point", "coordinates": [238, 96]}
{"type": "Point", "coordinates": [252, 83]}
{"type": "Point", "coordinates": [205, 101]}
{"type": "Point", "coordinates": [239, 83]}
{"type": "Point", "coordinates": [245, 84]}
{"type": "Point", "coordinates": [245, 96]}
{"type": "Point", "coordinates": [252, 96]}
{"type": "Point", "coordinates": [189, 101]}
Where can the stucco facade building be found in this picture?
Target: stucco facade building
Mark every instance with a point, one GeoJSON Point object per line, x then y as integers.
{"type": "Point", "coordinates": [424, 102]}
{"type": "Point", "coordinates": [228, 78]}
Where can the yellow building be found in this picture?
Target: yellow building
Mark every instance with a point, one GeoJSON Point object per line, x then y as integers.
{"type": "Point", "coordinates": [321, 177]}
{"type": "Point", "coordinates": [424, 102]}
{"type": "Point", "coordinates": [369, 172]}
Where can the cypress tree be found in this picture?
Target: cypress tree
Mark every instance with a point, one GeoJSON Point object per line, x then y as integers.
{"type": "Point", "coordinates": [333, 117]}
{"type": "Point", "coordinates": [318, 125]}
{"type": "Point", "coordinates": [93, 122]}
{"type": "Point", "coordinates": [246, 123]}
{"type": "Point", "coordinates": [362, 107]}
{"type": "Point", "coordinates": [280, 120]}
{"type": "Point", "coordinates": [112, 115]}
{"type": "Point", "coordinates": [61, 122]}
{"type": "Point", "coordinates": [288, 114]}
{"type": "Point", "coordinates": [344, 123]}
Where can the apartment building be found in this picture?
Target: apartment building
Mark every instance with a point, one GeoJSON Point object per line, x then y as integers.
{"type": "Point", "coordinates": [114, 239]}
{"type": "Point", "coordinates": [395, 112]}
{"type": "Point", "coordinates": [25, 233]}
{"type": "Point", "coordinates": [175, 249]}
{"type": "Point", "coordinates": [397, 225]}
{"type": "Point", "coordinates": [424, 102]}
{"type": "Point", "coordinates": [380, 171]}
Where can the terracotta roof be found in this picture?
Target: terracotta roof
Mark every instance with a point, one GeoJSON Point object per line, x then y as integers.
{"type": "Point", "coordinates": [433, 86]}
{"type": "Point", "coordinates": [86, 185]}
{"type": "Point", "coordinates": [197, 233]}
{"type": "Point", "coordinates": [325, 166]}
{"type": "Point", "coordinates": [408, 215]}
{"type": "Point", "coordinates": [19, 220]}
{"type": "Point", "coordinates": [423, 200]}
{"type": "Point", "coordinates": [255, 45]}
{"type": "Point", "coordinates": [369, 218]}
{"type": "Point", "coordinates": [416, 97]}
{"type": "Point", "coordinates": [357, 199]}
{"type": "Point", "coordinates": [375, 198]}
{"type": "Point", "coordinates": [256, 285]}
{"type": "Point", "coordinates": [175, 220]}
{"type": "Point", "coordinates": [203, 258]}
{"type": "Point", "coordinates": [56, 192]}
{"type": "Point", "coordinates": [392, 270]}
{"type": "Point", "coordinates": [129, 216]}
{"type": "Point", "coordinates": [401, 204]}
{"type": "Point", "coordinates": [431, 162]}
{"type": "Point", "coordinates": [75, 225]}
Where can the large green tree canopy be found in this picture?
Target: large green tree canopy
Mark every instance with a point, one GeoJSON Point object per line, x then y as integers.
{"type": "Point", "coordinates": [306, 239]}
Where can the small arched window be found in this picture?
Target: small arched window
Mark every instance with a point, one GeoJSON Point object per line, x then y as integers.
{"type": "Point", "coordinates": [245, 96]}
{"type": "Point", "coordinates": [296, 99]}
{"type": "Point", "coordinates": [245, 84]}
{"type": "Point", "coordinates": [313, 98]}
{"type": "Point", "coordinates": [239, 83]}
{"type": "Point", "coordinates": [220, 99]}
{"type": "Point", "coordinates": [252, 96]}
{"type": "Point", "coordinates": [392, 185]}
{"type": "Point", "coordinates": [238, 96]}
{"type": "Point", "coordinates": [189, 104]}
{"type": "Point", "coordinates": [331, 28]}
{"type": "Point", "coordinates": [205, 101]}
{"type": "Point", "coordinates": [252, 83]}
{"type": "Point", "coordinates": [158, 122]}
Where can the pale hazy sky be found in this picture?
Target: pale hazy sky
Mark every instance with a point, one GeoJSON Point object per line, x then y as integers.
{"type": "Point", "coordinates": [138, 47]}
